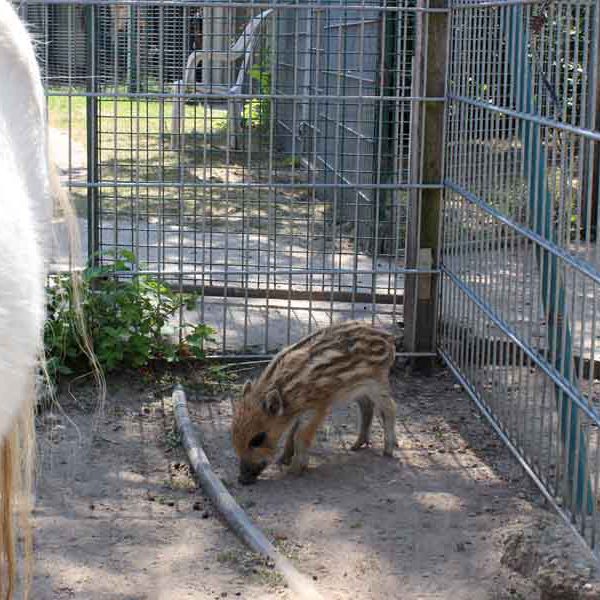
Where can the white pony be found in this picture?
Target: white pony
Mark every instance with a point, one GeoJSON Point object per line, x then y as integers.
{"type": "Point", "coordinates": [27, 186]}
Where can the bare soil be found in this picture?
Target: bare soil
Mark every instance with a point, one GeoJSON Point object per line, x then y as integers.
{"type": "Point", "coordinates": [119, 515]}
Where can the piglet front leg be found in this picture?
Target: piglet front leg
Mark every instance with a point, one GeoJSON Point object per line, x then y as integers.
{"type": "Point", "coordinates": [303, 440]}
{"type": "Point", "coordinates": [288, 451]}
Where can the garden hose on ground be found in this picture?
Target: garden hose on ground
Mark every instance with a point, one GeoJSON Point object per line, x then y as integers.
{"type": "Point", "coordinates": [230, 510]}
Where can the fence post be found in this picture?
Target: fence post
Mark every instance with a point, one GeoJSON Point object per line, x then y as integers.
{"type": "Point", "coordinates": [426, 168]}
{"type": "Point", "coordinates": [92, 134]}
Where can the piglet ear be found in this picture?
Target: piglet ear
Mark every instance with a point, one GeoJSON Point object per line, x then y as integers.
{"type": "Point", "coordinates": [247, 387]}
{"type": "Point", "coordinates": [273, 403]}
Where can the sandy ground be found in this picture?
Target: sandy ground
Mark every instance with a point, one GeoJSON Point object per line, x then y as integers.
{"type": "Point", "coordinates": [119, 516]}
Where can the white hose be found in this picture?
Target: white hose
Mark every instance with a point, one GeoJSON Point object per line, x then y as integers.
{"type": "Point", "coordinates": [230, 510]}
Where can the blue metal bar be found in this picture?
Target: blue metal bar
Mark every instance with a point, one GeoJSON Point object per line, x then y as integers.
{"type": "Point", "coordinates": [541, 242]}
{"type": "Point", "coordinates": [540, 204]}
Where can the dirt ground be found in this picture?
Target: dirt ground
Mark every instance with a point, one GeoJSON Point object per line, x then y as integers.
{"type": "Point", "coordinates": [119, 517]}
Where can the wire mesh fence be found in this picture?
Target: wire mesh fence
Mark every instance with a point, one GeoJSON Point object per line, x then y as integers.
{"type": "Point", "coordinates": [520, 254]}
{"type": "Point", "coordinates": [256, 155]}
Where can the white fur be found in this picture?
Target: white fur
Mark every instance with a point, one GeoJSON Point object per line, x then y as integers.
{"type": "Point", "coordinates": [25, 212]}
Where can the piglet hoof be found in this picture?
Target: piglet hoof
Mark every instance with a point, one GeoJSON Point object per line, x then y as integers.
{"type": "Point", "coordinates": [360, 445]}
{"type": "Point", "coordinates": [388, 451]}
{"type": "Point", "coordinates": [298, 470]}
{"type": "Point", "coordinates": [284, 460]}
{"type": "Point", "coordinates": [299, 465]}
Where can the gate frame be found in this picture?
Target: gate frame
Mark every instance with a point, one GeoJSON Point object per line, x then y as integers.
{"type": "Point", "coordinates": [428, 130]}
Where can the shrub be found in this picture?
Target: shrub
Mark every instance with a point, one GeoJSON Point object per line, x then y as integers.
{"type": "Point", "coordinates": [126, 319]}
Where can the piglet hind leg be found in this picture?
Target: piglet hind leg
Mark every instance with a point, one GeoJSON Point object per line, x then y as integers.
{"type": "Point", "coordinates": [289, 449]}
{"type": "Point", "coordinates": [386, 404]}
{"type": "Point", "coordinates": [365, 406]}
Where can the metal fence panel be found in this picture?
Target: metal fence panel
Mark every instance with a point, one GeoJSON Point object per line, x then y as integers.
{"type": "Point", "coordinates": [356, 136]}
{"type": "Point", "coordinates": [255, 154]}
{"type": "Point", "coordinates": [520, 255]}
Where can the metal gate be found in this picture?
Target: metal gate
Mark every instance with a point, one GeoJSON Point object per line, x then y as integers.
{"type": "Point", "coordinates": [254, 153]}
{"type": "Point", "coordinates": [518, 318]}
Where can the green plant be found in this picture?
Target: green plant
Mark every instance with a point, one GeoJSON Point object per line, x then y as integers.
{"type": "Point", "coordinates": [294, 162]}
{"type": "Point", "coordinates": [217, 378]}
{"type": "Point", "coordinates": [126, 318]}
{"type": "Point", "coordinates": [257, 111]}
{"type": "Point", "coordinates": [173, 438]}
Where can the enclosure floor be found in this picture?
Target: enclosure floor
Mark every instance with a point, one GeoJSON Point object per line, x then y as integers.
{"type": "Point", "coordinates": [118, 516]}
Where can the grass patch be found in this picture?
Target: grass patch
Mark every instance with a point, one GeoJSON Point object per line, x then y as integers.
{"type": "Point", "coordinates": [134, 147]}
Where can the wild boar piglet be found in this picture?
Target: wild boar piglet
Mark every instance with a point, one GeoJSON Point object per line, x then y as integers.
{"type": "Point", "coordinates": [347, 362]}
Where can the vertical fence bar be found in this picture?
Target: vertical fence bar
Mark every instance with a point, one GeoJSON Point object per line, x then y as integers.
{"type": "Point", "coordinates": [132, 48]}
{"type": "Point", "coordinates": [92, 136]}
{"type": "Point", "coordinates": [591, 189]}
{"type": "Point", "coordinates": [426, 167]}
